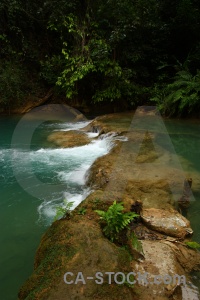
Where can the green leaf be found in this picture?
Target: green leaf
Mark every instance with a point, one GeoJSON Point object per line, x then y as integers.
{"type": "Point", "coordinates": [193, 245]}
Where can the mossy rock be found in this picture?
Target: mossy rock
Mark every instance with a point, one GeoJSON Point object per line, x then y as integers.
{"type": "Point", "coordinates": [76, 245]}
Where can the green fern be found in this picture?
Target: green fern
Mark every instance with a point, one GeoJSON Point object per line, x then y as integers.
{"type": "Point", "coordinates": [180, 96]}
{"type": "Point", "coordinates": [115, 220]}
{"type": "Point", "coordinates": [184, 92]}
{"type": "Point", "coordinates": [64, 210]}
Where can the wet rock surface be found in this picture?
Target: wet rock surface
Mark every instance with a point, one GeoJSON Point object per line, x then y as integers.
{"type": "Point", "coordinates": [159, 261]}
{"type": "Point", "coordinates": [165, 277]}
{"type": "Point", "coordinates": [169, 222]}
{"type": "Point", "coordinates": [66, 139]}
{"type": "Point", "coordinates": [151, 184]}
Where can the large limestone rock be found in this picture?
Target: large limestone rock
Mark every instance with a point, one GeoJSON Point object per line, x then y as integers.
{"type": "Point", "coordinates": [159, 261]}
{"type": "Point", "coordinates": [169, 222]}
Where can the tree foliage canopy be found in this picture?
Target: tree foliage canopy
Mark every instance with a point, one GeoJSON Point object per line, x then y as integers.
{"type": "Point", "coordinates": [123, 51]}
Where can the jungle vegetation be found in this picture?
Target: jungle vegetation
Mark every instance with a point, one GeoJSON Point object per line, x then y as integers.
{"type": "Point", "coordinates": [129, 52]}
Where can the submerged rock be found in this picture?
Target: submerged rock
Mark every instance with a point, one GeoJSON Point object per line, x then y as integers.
{"type": "Point", "coordinates": [168, 222]}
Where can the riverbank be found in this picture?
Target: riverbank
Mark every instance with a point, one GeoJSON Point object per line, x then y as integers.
{"type": "Point", "coordinates": [76, 244]}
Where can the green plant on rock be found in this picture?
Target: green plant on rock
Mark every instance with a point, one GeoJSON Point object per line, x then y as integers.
{"type": "Point", "coordinates": [63, 210]}
{"type": "Point", "coordinates": [136, 244]}
{"type": "Point", "coordinates": [115, 220]}
{"type": "Point", "coordinates": [82, 211]}
{"type": "Point", "coordinates": [193, 245]}
{"type": "Point", "coordinates": [95, 202]}
{"type": "Point", "coordinates": [129, 283]}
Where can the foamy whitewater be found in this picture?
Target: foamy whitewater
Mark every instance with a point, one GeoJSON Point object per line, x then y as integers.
{"type": "Point", "coordinates": [52, 175]}
{"type": "Point", "coordinates": [65, 168]}
{"type": "Point", "coordinates": [70, 167]}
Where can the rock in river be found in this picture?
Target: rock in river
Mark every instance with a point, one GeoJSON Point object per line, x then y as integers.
{"type": "Point", "coordinates": [71, 138]}
{"type": "Point", "coordinates": [168, 222]}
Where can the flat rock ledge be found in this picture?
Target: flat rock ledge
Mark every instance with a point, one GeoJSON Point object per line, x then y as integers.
{"type": "Point", "coordinates": [169, 222]}
{"type": "Point", "coordinates": [71, 138]}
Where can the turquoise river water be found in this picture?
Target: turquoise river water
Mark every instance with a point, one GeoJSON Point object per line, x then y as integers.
{"type": "Point", "coordinates": [25, 215]}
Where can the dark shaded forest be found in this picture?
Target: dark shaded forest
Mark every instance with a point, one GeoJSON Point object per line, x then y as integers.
{"type": "Point", "coordinates": [128, 53]}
